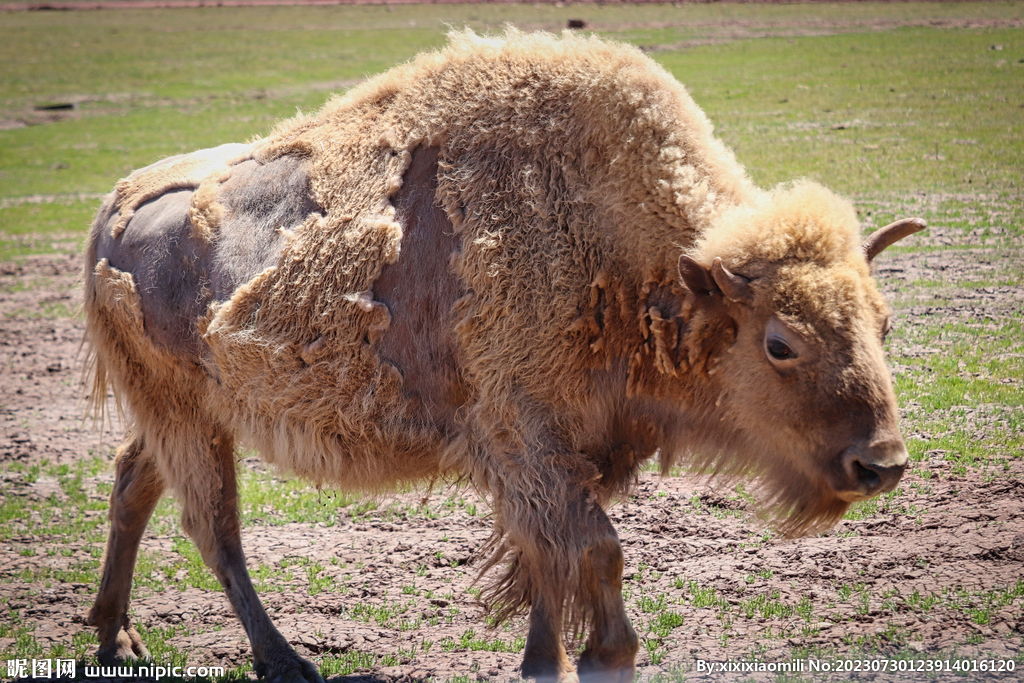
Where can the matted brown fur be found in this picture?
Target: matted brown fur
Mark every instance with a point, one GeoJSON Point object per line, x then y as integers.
{"type": "Point", "coordinates": [574, 172]}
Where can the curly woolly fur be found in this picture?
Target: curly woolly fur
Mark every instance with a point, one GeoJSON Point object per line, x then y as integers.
{"type": "Point", "coordinates": [574, 171]}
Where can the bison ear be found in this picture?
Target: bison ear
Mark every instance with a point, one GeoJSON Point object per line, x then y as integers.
{"type": "Point", "coordinates": [696, 277]}
{"type": "Point", "coordinates": [889, 235]}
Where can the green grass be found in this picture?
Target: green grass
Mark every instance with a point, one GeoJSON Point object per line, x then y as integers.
{"type": "Point", "coordinates": [266, 499]}
{"type": "Point", "coordinates": [862, 110]}
{"type": "Point", "coordinates": [71, 515]}
{"type": "Point", "coordinates": [865, 111]}
{"type": "Point", "coordinates": [959, 383]}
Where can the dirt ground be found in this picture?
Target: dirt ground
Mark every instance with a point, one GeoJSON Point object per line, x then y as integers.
{"type": "Point", "coordinates": [949, 539]}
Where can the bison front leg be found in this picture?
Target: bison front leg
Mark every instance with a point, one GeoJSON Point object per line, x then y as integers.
{"type": "Point", "coordinates": [544, 657]}
{"type": "Point", "coordinates": [137, 489]}
{"type": "Point", "coordinates": [567, 558]}
{"type": "Point", "coordinates": [210, 517]}
{"type": "Point", "coordinates": [612, 645]}
{"type": "Point", "coordinates": [611, 649]}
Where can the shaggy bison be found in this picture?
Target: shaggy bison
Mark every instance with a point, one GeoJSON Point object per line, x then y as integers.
{"type": "Point", "coordinates": [523, 261]}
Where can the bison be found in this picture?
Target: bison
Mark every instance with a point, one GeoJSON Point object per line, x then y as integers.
{"type": "Point", "coordinates": [522, 262]}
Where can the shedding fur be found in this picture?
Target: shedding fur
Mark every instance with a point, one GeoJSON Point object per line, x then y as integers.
{"type": "Point", "coordinates": [556, 181]}
{"type": "Point", "coordinates": [205, 213]}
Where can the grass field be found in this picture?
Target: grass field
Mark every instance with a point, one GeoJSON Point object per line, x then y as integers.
{"type": "Point", "coordinates": [854, 95]}
{"type": "Point", "coordinates": [909, 108]}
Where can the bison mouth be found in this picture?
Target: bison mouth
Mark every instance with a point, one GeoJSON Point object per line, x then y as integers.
{"type": "Point", "coordinates": [800, 502]}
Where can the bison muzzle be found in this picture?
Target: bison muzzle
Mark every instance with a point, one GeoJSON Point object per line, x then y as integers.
{"type": "Point", "coordinates": [522, 262]}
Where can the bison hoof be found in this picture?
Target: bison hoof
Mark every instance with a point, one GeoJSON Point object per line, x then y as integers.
{"type": "Point", "coordinates": [299, 671]}
{"type": "Point", "coordinates": [594, 668]}
{"type": "Point", "coordinates": [127, 646]}
{"type": "Point", "coordinates": [544, 671]}
{"type": "Point", "coordinates": [559, 677]}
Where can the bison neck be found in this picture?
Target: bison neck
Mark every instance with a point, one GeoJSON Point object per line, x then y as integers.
{"type": "Point", "coordinates": [654, 347]}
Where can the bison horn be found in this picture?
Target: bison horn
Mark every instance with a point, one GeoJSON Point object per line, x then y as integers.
{"type": "Point", "coordinates": [890, 234]}
{"type": "Point", "coordinates": [734, 287]}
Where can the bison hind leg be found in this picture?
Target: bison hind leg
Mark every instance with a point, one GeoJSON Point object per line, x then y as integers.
{"type": "Point", "coordinates": [208, 493]}
{"type": "Point", "coordinates": [137, 489]}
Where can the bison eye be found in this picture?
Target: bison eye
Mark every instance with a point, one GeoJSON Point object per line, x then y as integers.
{"type": "Point", "coordinates": [779, 350]}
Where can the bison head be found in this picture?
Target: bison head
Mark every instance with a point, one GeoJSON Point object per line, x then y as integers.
{"type": "Point", "coordinates": [802, 385]}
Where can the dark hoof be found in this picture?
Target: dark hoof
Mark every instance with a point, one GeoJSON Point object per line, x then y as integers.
{"type": "Point", "coordinates": [126, 647]}
{"type": "Point", "coordinates": [594, 668]}
{"type": "Point", "coordinates": [294, 670]}
{"type": "Point", "coordinates": [548, 672]}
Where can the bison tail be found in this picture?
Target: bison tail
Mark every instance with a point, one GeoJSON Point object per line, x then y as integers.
{"type": "Point", "coordinates": [113, 332]}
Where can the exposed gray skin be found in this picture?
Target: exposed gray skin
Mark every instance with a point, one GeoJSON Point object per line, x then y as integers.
{"type": "Point", "coordinates": [177, 275]}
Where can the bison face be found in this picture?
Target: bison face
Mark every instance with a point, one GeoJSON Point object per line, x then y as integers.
{"type": "Point", "coordinates": [829, 390]}
{"type": "Point", "coordinates": [804, 388]}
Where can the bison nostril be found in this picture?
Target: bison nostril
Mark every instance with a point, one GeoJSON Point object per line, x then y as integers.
{"type": "Point", "coordinates": [867, 477]}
